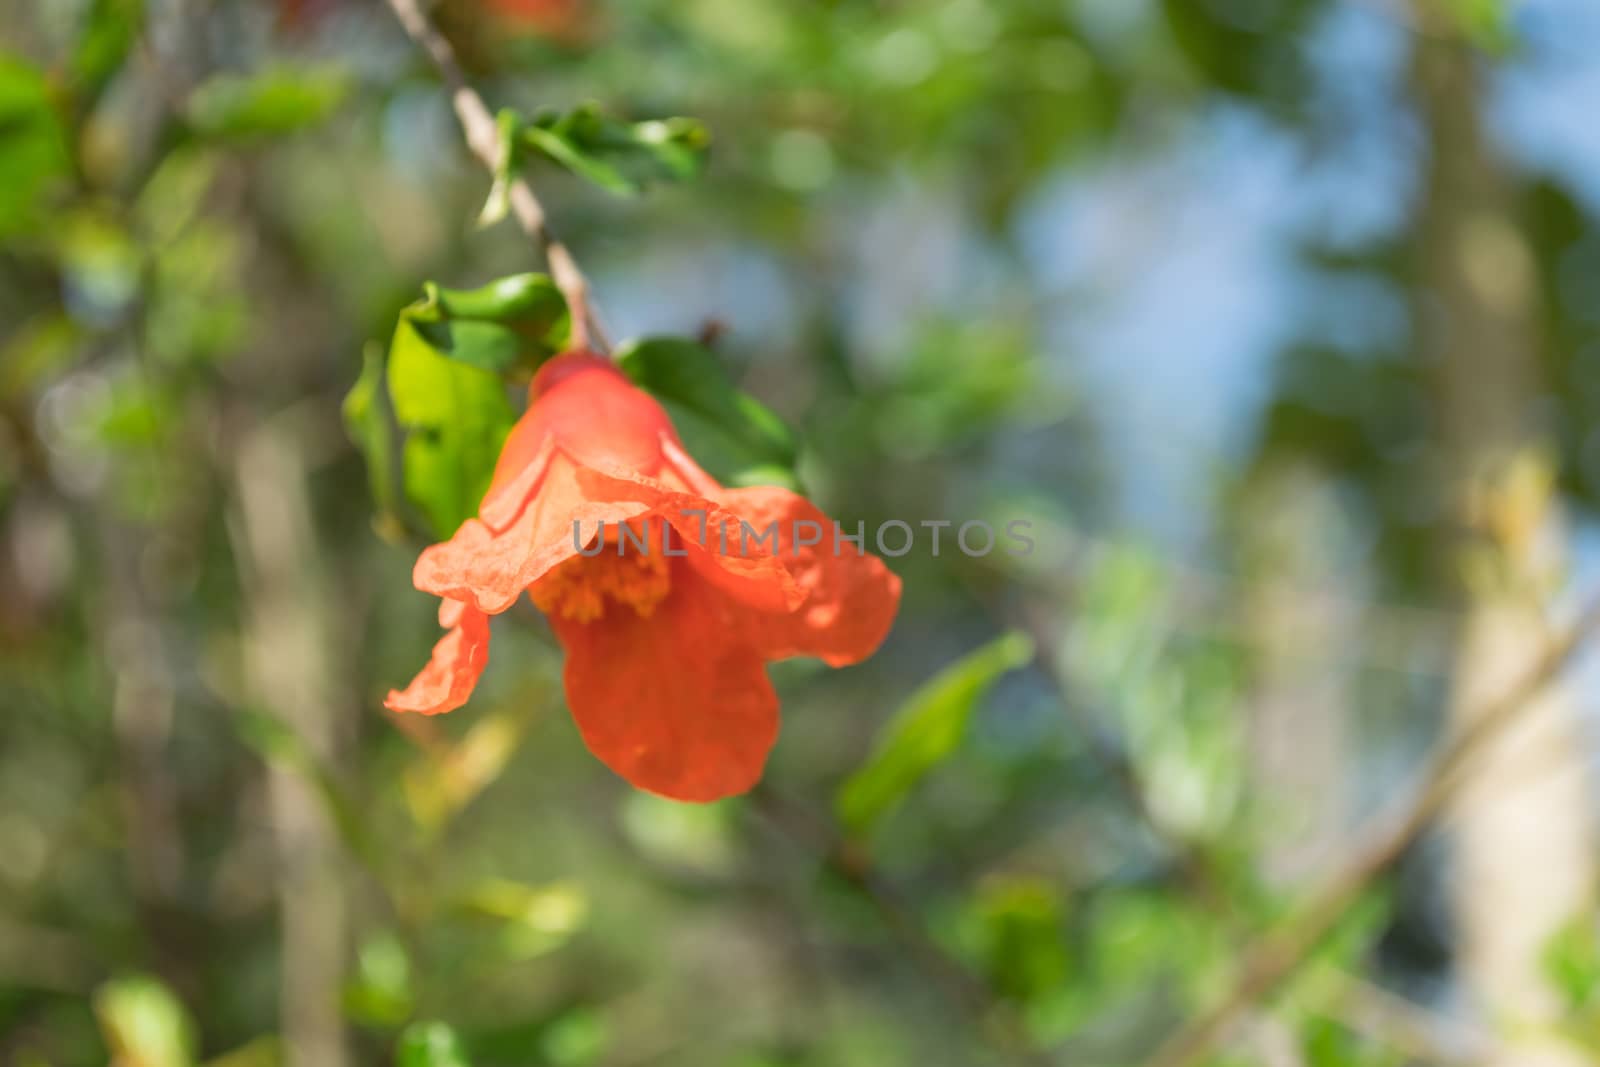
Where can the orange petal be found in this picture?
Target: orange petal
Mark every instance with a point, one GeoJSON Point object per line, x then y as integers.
{"type": "Point", "coordinates": [691, 474]}
{"type": "Point", "coordinates": [596, 415]}
{"type": "Point", "coordinates": [516, 479]}
{"type": "Point", "coordinates": [489, 569]}
{"type": "Point", "coordinates": [676, 703]}
{"type": "Point", "coordinates": [709, 534]}
{"type": "Point", "coordinates": [453, 671]}
{"type": "Point", "coordinates": [850, 596]}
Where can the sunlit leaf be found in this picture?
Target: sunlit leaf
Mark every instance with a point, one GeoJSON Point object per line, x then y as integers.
{"type": "Point", "coordinates": [697, 837]}
{"type": "Point", "coordinates": [1572, 960]}
{"type": "Point", "coordinates": [268, 103]}
{"type": "Point", "coordinates": [439, 786]}
{"type": "Point", "coordinates": [454, 417]}
{"type": "Point", "coordinates": [144, 1023]}
{"type": "Point", "coordinates": [620, 157]}
{"type": "Point", "coordinates": [579, 1037]}
{"type": "Point", "coordinates": [370, 423]}
{"type": "Point", "coordinates": [101, 264]}
{"type": "Point", "coordinates": [738, 438]}
{"type": "Point", "coordinates": [33, 152]}
{"type": "Point", "coordinates": [537, 919]}
{"type": "Point", "coordinates": [266, 1051]}
{"type": "Point", "coordinates": [108, 32]}
{"type": "Point", "coordinates": [137, 414]}
{"type": "Point", "coordinates": [509, 326]}
{"type": "Point", "coordinates": [926, 730]}
{"type": "Point", "coordinates": [498, 203]}
{"type": "Point", "coordinates": [174, 195]}
{"type": "Point", "coordinates": [1131, 941]}
{"type": "Point", "coordinates": [380, 993]}
{"type": "Point", "coordinates": [1016, 927]}
{"type": "Point", "coordinates": [430, 1044]}
{"type": "Point", "coordinates": [41, 346]}
{"type": "Point", "coordinates": [443, 381]}
{"type": "Point", "coordinates": [1326, 1042]}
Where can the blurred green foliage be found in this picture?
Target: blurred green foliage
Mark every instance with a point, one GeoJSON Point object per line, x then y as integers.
{"type": "Point", "coordinates": [620, 157]}
{"type": "Point", "coordinates": [738, 438]}
{"type": "Point", "coordinates": [925, 732]}
{"type": "Point", "coordinates": [212, 216]}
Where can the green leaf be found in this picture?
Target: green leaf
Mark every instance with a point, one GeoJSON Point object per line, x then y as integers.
{"type": "Point", "coordinates": [144, 1023]}
{"type": "Point", "coordinates": [371, 426]}
{"type": "Point", "coordinates": [454, 417]}
{"type": "Point", "coordinates": [1571, 961]}
{"type": "Point", "coordinates": [431, 414]}
{"type": "Point", "coordinates": [265, 1051]}
{"type": "Point", "coordinates": [1016, 927]}
{"type": "Point", "coordinates": [430, 1044]}
{"type": "Point", "coordinates": [926, 730]}
{"type": "Point", "coordinates": [498, 204]}
{"type": "Point", "coordinates": [381, 992]}
{"type": "Point", "coordinates": [531, 920]}
{"type": "Point", "coordinates": [620, 157]}
{"type": "Point", "coordinates": [439, 787]}
{"type": "Point", "coordinates": [578, 1037]}
{"type": "Point", "coordinates": [109, 30]}
{"type": "Point", "coordinates": [763, 474]}
{"type": "Point", "coordinates": [269, 103]}
{"type": "Point", "coordinates": [509, 326]}
{"type": "Point", "coordinates": [757, 446]}
{"type": "Point", "coordinates": [33, 146]}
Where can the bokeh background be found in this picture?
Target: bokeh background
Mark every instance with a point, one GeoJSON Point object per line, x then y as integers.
{"type": "Point", "coordinates": [1280, 321]}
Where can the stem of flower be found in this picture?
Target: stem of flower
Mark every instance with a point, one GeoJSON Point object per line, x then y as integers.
{"type": "Point", "coordinates": [483, 138]}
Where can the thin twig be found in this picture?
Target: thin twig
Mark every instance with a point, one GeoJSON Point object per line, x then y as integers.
{"type": "Point", "coordinates": [483, 137]}
{"type": "Point", "coordinates": [1277, 954]}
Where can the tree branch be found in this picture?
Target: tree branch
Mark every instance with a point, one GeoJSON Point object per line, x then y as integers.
{"type": "Point", "coordinates": [1277, 954]}
{"type": "Point", "coordinates": [483, 137]}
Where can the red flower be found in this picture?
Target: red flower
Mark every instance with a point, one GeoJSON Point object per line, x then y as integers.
{"type": "Point", "coordinates": [554, 17]}
{"type": "Point", "coordinates": [669, 617]}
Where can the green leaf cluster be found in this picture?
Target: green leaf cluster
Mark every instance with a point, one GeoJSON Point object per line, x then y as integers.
{"type": "Point", "coordinates": [431, 413]}
{"type": "Point", "coordinates": [623, 158]}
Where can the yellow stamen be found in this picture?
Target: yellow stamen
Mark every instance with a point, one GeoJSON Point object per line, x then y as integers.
{"type": "Point", "coordinates": [578, 588]}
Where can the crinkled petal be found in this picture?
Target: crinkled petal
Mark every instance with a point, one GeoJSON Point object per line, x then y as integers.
{"type": "Point", "coordinates": [678, 462]}
{"type": "Point", "coordinates": [453, 671]}
{"type": "Point", "coordinates": [710, 535]}
{"type": "Point", "coordinates": [489, 569]}
{"type": "Point", "coordinates": [515, 483]}
{"type": "Point", "coordinates": [851, 597]}
{"type": "Point", "coordinates": [675, 703]}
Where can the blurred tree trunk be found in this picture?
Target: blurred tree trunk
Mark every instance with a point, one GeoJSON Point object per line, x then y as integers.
{"type": "Point", "coordinates": [1523, 835]}
{"type": "Point", "coordinates": [291, 668]}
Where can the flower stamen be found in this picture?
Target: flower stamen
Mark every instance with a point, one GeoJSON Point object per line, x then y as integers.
{"type": "Point", "coordinates": [579, 588]}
